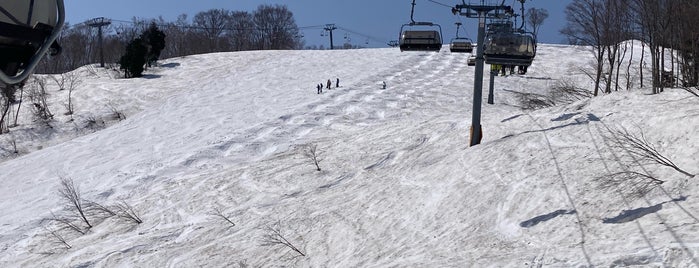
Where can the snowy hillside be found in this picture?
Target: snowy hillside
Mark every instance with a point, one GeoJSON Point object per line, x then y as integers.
{"type": "Point", "coordinates": [228, 133]}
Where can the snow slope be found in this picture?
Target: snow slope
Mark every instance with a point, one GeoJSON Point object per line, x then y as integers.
{"type": "Point", "coordinates": [399, 186]}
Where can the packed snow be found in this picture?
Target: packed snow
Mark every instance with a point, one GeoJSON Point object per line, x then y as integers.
{"type": "Point", "coordinates": [399, 186]}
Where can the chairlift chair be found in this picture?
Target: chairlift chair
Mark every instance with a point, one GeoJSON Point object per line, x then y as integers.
{"type": "Point", "coordinates": [461, 45]}
{"type": "Point", "coordinates": [420, 40]}
{"type": "Point", "coordinates": [510, 48]}
{"type": "Point", "coordinates": [28, 31]}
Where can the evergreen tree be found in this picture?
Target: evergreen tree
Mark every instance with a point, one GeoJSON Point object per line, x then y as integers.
{"type": "Point", "coordinates": [135, 58]}
{"type": "Point", "coordinates": [154, 38]}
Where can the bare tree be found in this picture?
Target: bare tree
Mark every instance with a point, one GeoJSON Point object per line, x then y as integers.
{"type": "Point", "coordinates": [311, 151]}
{"type": "Point", "coordinates": [584, 20]}
{"type": "Point", "coordinates": [276, 28]}
{"type": "Point", "coordinates": [127, 212]}
{"type": "Point", "coordinates": [616, 29]}
{"type": "Point", "coordinates": [56, 235]}
{"type": "Point", "coordinates": [653, 17]}
{"type": "Point", "coordinates": [535, 18]}
{"type": "Point", "coordinates": [7, 98]}
{"type": "Point", "coordinates": [37, 96]}
{"type": "Point", "coordinates": [212, 24]}
{"type": "Point", "coordinates": [68, 81]}
{"type": "Point", "coordinates": [99, 210]}
{"type": "Point", "coordinates": [241, 30]}
{"type": "Point", "coordinates": [71, 197]}
{"type": "Point", "coordinates": [274, 237]}
{"type": "Point", "coordinates": [65, 223]}
{"type": "Point", "coordinates": [642, 150]}
{"type": "Point", "coordinates": [218, 213]}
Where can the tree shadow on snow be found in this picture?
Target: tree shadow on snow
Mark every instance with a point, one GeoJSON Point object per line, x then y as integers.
{"type": "Point", "coordinates": [151, 76]}
{"type": "Point", "coordinates": [634, 214]}
{"type": "Point", "coordinates": [546, 217]}
{"type": "Point", "coordinates": [170, 65]}
{"type": "Point", "coordinates": [563, 117]}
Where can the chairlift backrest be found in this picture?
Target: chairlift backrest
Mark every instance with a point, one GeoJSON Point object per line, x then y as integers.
{"type": "Point", "coordinates": [420, 40]}
{"type": "Point", "coordinates": [510, 48]}
{"type": "Point", "coordinates": [28, 29]}
{"type": "Point", "coordinates": [461, 45]}
{"type": "Point", "coordinates": [29, 13]}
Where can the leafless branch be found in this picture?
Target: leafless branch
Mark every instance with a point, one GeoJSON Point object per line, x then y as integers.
{"type": "Point", "coordinates": [116, 113]}
{"type": "Point", "coordinates": [274, 237]}
{"type": "Point", "coordinates": [55, 234]}
{"type": "Point", "coordinates": [71, 196]}
{"type": "Point", "coordinates": [694, 91]}
{"type": "Point", "coordinates": [565, 91]}
{"type": "Point", "coordinates": [311, 152]}
{"type": "Point", "coordinates": [217, 212]}
{"type": "Point", "coordinates": [37, 96]}
{"type": "Point", "coordinates": [127, 212]}
{"type": "Point", "coordinates": [65, 223]}
{"type": "Point", "coordinates": [638, 146]}
{"type": "Point", "coordinates": [99, 210]}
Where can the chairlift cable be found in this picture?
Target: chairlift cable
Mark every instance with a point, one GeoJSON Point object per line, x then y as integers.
{"type": "Point", "coordinates": [369, 37]}
{"type": "Point", "coordinates": [441, 4]}
{"type": "Point", "coordinates": [207, 28]}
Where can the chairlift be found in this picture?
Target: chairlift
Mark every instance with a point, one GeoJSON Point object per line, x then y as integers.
{"type": "Point", "coordinates": [460, 44]}
{"type": "Point", "coordinates": [508, 46]}
{"type": "Point", "coordinates": [28, 31]}
{"type": "Point", "coordinates": [412, 39]}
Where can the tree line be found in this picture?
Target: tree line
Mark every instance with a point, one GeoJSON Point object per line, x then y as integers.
{"type": "Point", "coordinates": [667, 28]}
{"type": "Point", "coordinates": [216, 30]}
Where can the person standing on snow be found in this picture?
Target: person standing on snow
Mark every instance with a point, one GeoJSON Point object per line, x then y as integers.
{"type": "Point", "coordinates": [330, 84]}
{"type": "Point", "coordinates": [319, 89]}
{"type": "Point", "coordinates": [337, 83]}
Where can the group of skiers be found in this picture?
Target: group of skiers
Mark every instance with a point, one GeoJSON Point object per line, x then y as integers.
{"type": "Point", "coordinates": [327, 85]}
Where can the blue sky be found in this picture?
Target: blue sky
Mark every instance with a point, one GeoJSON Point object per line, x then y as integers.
{"type": "Point", "coordinates": [366, 22]}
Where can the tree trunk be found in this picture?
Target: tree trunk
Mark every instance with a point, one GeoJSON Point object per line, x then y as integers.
{"type": "Point", "coordinates": [643, 55]}
{"type": "Point", "coordinates": [21, 96]}
{"type": "Point", "coordinates": [600, 69]}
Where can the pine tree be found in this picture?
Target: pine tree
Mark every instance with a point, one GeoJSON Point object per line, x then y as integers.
{"type": "Point", "coordinates": [155, 40]}
{"type": "Point", "coordinates": [135, 58]}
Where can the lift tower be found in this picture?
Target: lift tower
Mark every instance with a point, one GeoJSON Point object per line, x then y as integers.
{"type": "Point", "coordinates": [99, 23]}
{"type": "Point", "coordinates": [330, 28]}
{"type": "Point", "coordinates": [482, 12]}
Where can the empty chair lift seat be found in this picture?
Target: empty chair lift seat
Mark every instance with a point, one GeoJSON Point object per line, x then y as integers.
{"type": "Point", "coordinates": [420, 40]}
{"type": "Point", "coordinates": [461, 46]}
